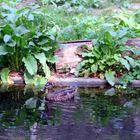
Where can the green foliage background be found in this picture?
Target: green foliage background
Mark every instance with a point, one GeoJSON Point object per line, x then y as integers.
{"type": "Point", "coordinates": [29, 36]}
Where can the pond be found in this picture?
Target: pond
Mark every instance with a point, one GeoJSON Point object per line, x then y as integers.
{"type": "Point", "coordinates": [94, 113]}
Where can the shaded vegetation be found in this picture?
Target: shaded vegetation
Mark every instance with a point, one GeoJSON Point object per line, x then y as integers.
{"type": "Point", "coordinates": [29, 36]}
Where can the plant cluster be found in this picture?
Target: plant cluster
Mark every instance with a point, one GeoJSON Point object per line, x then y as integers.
{"type": "Point", "coordinates": [87, 3]}
{"type": "Point", "coordinates": [85, 28]}
{"type": "Point", "coordinates": [73, 3]}
{"type": "Point", "coordinates": [107, 58]}
{"type": "Point", "coordinates": [27, 41]}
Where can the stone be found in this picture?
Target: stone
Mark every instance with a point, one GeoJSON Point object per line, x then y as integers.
{"type": "Point", "coordinates": [68, 57]}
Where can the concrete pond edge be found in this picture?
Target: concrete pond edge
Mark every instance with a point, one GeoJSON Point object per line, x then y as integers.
{"type": "Point", "coordinates": [87, 82]}
{"type": "Point", "coordinates": [76, 81]}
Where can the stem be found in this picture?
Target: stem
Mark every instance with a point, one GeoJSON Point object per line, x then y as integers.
{"type": "Point", "coordinates": [16, 58]}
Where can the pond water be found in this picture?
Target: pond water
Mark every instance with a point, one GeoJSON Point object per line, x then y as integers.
{"type": "Point", "coordinates": [94, 114]}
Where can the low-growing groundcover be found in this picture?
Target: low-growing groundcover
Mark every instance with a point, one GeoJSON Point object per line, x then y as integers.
{"type": "Point", "coordinates": [27, 42]}
{"type": "Point", "coordinates": [87, 3]}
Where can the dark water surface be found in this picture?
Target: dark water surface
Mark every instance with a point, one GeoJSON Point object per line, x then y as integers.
{"type": "Point", "coordinates": [94, 114]}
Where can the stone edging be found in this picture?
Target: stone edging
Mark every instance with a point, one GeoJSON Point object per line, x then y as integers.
{"type": "Point", "coordinates": [87, 82]}
{"type": "Point", "coordinates": [80, 82]}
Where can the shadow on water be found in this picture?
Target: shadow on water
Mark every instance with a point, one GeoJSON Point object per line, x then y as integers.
{"type": "Point", "coordinates": [95, 113]}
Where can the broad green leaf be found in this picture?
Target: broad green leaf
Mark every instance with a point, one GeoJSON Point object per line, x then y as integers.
{"type": "Point", "coordinates": [21, 30]}
{"type": "Point", "coordinates": [3, 50]}
{"type": "Point", "coordinates": [131, 61]}
{"type": "Point", "coordinates": [8, 8]}
{"type": "Point", "coordinates": [102, 67]}
{"type": "Point", "coordinates": [30, 17]}
{"type": "Point", "coordinates": [94, 68]}
{"type": "Point", "coordinates": [138, 77]}
{"type": "Point", "coordinates": [91, 61]}
{"type": "Point", "coordinates": [122, 18]}
{"type": "Point", "coordinates": [31, 43]}
{"type": "Point", "coordinates": [6, 38]}
{"type": "Point", "coordinates": [4, 75]}
{"type": "Point", "coordinates": [7, 29]}
{"type": "Point", "coordinates": [29, 79]}
{"type": "Point", "coordinates": [109, 75]}
{"type": "Point", "coordinates": [43, 41]}
{"type": "Point", "coordinates": [132, 22]}
{"type": "Point", "coordinates": [10, 17]}
{"type": "Point", "coordinates": [46, 48]}
{"type": "Point", "coordinates": [30, 64]}
{"type": "Point", "coordinates": [125, 63]}
{"type": "Point", "coordinates": [42, 59]}
{"type": "Point", "coordinates": [117, 57]}
{"type": "Point", "coordinates": [122, 32]}
{"type": "Point", "coordinates": [52, 59]}
{"type": "Point", "coordinates": [12, 43]}
{"type": "Point", "coordinates": [40, 81]}
{"type": "Point", "coordinates": [53, 31]}
{"type": "Point", "coordinates": [108, 36]}
{"type": "Point", "coordinates": [47, 71]}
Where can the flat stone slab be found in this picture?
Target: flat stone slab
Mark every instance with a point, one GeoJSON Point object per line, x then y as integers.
{"type": "Point", "coordinates": [133, 42]}
{"type": "Point", "coordinates": [135, 83]}
{"type": "Point", "coordinates": [87, 82]}
{"type": "Point", "coordinates": [79, 82]}
{"type": "Point", "coordinates": [134, 6]}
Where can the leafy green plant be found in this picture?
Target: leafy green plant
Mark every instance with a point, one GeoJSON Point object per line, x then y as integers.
{"type": "Point", "coordinates": [105, 59]}
{"type": "Point", "coordinates": [123, 3]}
{"type": "Point", "coordinates": [80, 29]}
{"type": "Point", "coordinates": [27, 36]}
{"type": "Point", "coordinates": [12, 3]}
{"type": "Point", "coordinates": [4, 75]}
{"type": "Point", "coordinates": [73, 3]}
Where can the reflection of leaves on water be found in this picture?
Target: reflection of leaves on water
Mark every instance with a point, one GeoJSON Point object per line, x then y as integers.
{"type": "Point", "coordinates": [4, 88]}
{"type": "Point", "coordinates": [42, 106]}
{"type": "Point", "coordinates": [107, 107]}
{"type": "Point", "coordinates": [129, 104]}
{"type": "Point", "coordinates": [110, 92]}
{"type": "Point", "coordinates": [29, 113]}
{"type": "Point", "coordinates": [26, 106]}
{"type": "Point", "coordinates": [48, 114]}
{"type": "Point", "coordinates": [31, 103]}
{"type": "Point", "coordinates": [31, 88]}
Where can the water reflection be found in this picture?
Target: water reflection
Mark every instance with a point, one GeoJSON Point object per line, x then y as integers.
{"type": "Point", "coordinates": [103, 114]}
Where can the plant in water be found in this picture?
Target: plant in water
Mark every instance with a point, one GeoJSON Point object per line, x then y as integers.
{"type": "Point", "coordinates": [27, 36]}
